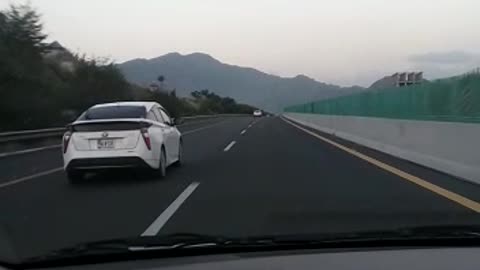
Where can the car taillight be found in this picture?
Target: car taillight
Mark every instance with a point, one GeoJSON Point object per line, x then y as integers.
{"type": "Point", "coordinates": [66, 139]}
{"type": "Point", "coordinates": [146, 138]}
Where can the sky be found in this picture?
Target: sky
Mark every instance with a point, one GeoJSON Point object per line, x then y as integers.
{"type": "Point", "coordinates": [345, 42]}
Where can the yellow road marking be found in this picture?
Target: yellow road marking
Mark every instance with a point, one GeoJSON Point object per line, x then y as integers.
{"type": "Point", "coordinates": [473, 205]}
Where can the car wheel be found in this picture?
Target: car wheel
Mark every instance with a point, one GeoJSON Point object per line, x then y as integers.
{"type": "Point", "coordinates": [179, 162]}
{"type": "Point", "coordinates": [75, 176]}
{"type": "Point", "coordinates": [162, 167]}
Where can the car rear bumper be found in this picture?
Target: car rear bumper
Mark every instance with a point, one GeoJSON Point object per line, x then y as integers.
{"type": "Point", "coordinates": [107, 163]}
{"type": "Point", "coordinates": [95, 159]}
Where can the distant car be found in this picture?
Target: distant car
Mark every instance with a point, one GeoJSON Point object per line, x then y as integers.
{"type": "Point", "coordinates": [257, 113]}
{"type": "Point", "coordinates": [121, 135]}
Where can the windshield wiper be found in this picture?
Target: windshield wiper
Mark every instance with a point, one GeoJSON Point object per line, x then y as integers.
{"type": "Point", "coordinates": [198, 244]}
{"type": "Point", "coordinates": [129, 245]}
{"type": "Point", "coordinates": [176, 241]}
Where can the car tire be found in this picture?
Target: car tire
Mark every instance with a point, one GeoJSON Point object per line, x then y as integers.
{"type": "Point", "coordinates": [179, 162]}
{"type": "Point", "coordinates": [162, 165]}
{"type": "Point", "coordinates": [75, 176]}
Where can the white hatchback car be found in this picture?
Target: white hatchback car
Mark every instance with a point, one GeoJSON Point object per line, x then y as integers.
{"type": "Point", "coordinates": [121, 135]}
{"type": "Point", "coordinates": [257, 113]}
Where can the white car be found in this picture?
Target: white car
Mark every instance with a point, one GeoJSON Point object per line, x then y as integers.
{"type": "Point", "coordinates": [257, 113]}
{"type": "Point", "coordinates": [121, 135]}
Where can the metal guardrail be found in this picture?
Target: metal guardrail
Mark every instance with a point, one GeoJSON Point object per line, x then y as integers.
{"type": "Point", "coordinates": [31, 131]}
{"type": "Point", "coordinates": [51, 132]}
{"type": "Point", "coordinates": [30, 134]}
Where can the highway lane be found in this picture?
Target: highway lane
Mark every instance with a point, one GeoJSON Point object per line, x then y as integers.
{"type": "Point", "coordinates": [47, 212]}
{"type": "Point", "coordinates": [280, 180]}
{"type": "Point", "coordinates": [275, 179]}
{"type": "Point", "coordinates": [20, 165]}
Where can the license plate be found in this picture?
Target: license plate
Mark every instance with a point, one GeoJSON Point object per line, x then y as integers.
{"type": "Point", "coordinates": [105, 144]}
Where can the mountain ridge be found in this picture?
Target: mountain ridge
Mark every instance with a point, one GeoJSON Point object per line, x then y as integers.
{"type": "Point", "coordinates": [196, 71]}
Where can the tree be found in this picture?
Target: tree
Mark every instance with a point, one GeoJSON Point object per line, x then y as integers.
{"type": "Point", "coordinates": [161, 79]}
{"type": "Point", "coordinates": [21, 43]}
{"type": "Point", "coordinates": [25, 26]}
{"type": "Point", "coordinates": [23, 79]}
{"type": "Point", "coordinates": [205, 93]}
{"type": "Point", "coordinates": [36, 92]}
{"type": "Point", "coordinates": [196, 94]}
{"type": "Point", "coordinates": [210, 103]}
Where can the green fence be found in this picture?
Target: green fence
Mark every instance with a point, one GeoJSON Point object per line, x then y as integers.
{"type": "Point", "coordinates": [454, 99]}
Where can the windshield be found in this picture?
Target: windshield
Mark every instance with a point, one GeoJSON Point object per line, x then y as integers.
{"type": "Point", "coordinates": [214, 123]}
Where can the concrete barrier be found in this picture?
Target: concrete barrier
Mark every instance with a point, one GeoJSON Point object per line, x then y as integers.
{"type": "Point", "coordinates": [449, 147]}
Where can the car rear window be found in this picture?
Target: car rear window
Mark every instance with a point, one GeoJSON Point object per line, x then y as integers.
{"type": "Point", "coordinates": [110, 126]}
{"type": "Point", "coordinates": [114, 112]}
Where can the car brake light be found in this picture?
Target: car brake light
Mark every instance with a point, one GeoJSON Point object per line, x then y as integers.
{"type": "Point", "coordinates": [146, 138]}
{"type": "Point", "coordinates": [66, 139]}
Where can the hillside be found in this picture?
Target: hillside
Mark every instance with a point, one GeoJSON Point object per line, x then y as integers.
{"type": "Point", "coordinates": [247, 85]}
{"type": "Point", "coordinates": [45, 85]}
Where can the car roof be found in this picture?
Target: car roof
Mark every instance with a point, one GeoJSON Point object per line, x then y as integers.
{"type": "Point", "coordinates": [147, 104]}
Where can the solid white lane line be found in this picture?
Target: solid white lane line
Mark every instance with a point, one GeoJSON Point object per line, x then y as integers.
{"type": "Point", "coordinates": [8, 154]}
{"type": "Point", "coordinates": [161, 220]}
{"type": "Point", "coordinates": [26, 178]}
{"type": "Point", "coordinates": [230, 145]}
{"type": "Point", "coordinates": [202, 128]}
{"type": "Point", "coordinates": [243, 132]}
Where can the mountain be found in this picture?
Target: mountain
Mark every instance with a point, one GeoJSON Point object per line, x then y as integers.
{"type": "Point", "coordinates": [198, 71]}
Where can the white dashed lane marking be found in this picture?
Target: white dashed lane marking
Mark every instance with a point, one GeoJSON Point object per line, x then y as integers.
{"type": "Point", "coordinates": [229, 146]}
{"type": "Point", "coordinates": [161, 220]}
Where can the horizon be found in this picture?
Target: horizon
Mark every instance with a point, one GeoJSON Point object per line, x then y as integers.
{"type": "Point", "coordinates": [280, 76]}
{"type": "Point", "coordinates": [284, 77]}
{"type": "Point", "coordinates": [230, 64]}
{"type": "Point", "coordinates": [343, 43]}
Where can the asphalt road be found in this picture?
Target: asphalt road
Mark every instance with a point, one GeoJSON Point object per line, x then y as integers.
{"type": "Point", "coordinates": [241, 177]}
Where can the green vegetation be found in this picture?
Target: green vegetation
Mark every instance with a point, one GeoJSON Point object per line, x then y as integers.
{"type": "Point", "coordinates": [44, 86]}
{"type": "Point", "coordinates": [454, 99]}
{"type": "Point", "coordinates": [209, 103]}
